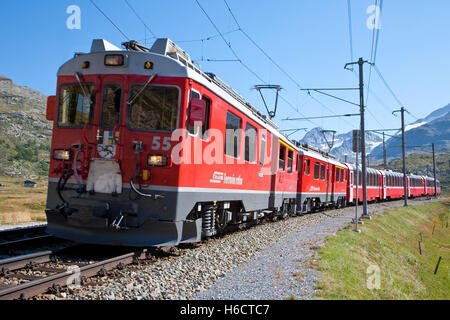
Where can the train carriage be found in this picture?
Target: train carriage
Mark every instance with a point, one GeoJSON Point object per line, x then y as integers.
{"type": "Point", "coordinates": [117, 177]}
{"type": "Point", "coordinates": [321, 182]}
{"type": "Point", "coordinates": [416, 186]}
{"type": "Point", "coordinates": [148, 150]}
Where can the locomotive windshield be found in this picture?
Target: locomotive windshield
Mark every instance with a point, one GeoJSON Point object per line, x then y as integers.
{"type": "Point", "coordinates": [76, 105]}
{"type": "Point", "coordinates": [153, 108]}
{"type": "Point", "coordinates": [112, 99]}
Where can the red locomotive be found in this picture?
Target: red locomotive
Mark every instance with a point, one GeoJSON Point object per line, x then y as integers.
{"type": "Point", "coordinates": [148, 150]}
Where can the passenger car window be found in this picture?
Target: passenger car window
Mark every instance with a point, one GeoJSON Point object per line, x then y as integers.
{"type": "Point", "coordinates": [250, 143]}
{"type": "Point", "coordinates": [153, 108]}
{"type": "Point", "coordinates": [290, 160]}
{"type": "Point", "coordinates": [262, 151]}
{"type": "Point", "coordinates": [233, 135]}
{"type": "Point", "coordinates": [316, 170]}
{"type": "Point", "coordinates": [76, 105]}
{"type": "Point", "coordinates": [282, 157]}
{"type": "Point", "coordinates": [322, 171]}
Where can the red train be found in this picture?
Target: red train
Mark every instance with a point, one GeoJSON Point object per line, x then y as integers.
{"type": "Point", "coordinates": [148, 150]}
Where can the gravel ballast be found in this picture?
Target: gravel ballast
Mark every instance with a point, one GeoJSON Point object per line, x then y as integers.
{"type": "Point", "coordinates": [268, 261]}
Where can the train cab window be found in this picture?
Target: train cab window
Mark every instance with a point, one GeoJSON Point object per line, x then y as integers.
{"type": "Point", "coordinates": [290, 160]}
{"type": "Point", "coordinates": [250, 143]}
{"type": "Point", "coordinates": [153, 108]}
{"type": "Point", "coordinates": [233, 135]}
{"type": "Point", "coordinates": [342, 175]}
{"type": "Point", "coordinates": [337, 174]}
{"type": "Point", "coordinates": [308, 167]}
{"type": "Point", "coordinates": [316, 170]}
{"type": "Point", "coordinates": [192, 129]}
{"type": "Point", "coordinates": [111, 105]}
{"type": "Point", "coordinates": [76, 105]}
{"type": "Point", "coordinates": [322, 171]}
{"type": "Point", "coordinates": [282, 157]}
{"type": "Point", "coordinates": [262, 150]}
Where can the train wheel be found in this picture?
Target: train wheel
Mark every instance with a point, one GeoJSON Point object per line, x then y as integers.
{"type": "Point", "coordinates": [222, 218]}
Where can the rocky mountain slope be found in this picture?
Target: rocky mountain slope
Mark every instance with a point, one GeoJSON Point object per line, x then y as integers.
{"type": "Point", "coordinates": [26, 134]}
{"type": "Point", "coordinates": [343, 143]}
{"type": "Point", "coordinates": [435, 128]}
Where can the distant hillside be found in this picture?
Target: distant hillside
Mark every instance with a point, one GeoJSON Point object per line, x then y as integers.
{"type": "Point", "coordinates": [435, 128]}
{"type": "Point", "coordinates": [343, 143]}
{"type": "Point", "coordinates": [422, 163]}
{"type": "Point", "coordinates": [26, 134]}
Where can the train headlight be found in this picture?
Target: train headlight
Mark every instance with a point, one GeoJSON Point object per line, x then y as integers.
{"type": "Point", "coordinates": [114, 60]}
{"type": "Point", "coordinates": [61, 154]}
{"type": "Point", "coordinates": [158, 160]}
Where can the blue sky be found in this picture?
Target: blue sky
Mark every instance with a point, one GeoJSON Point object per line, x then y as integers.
{"type": "Point", "coordinates": [308, 39]}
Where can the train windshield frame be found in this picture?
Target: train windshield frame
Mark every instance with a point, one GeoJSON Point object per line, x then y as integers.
{"type": "Point", "coordinates": [153, 108]}
{"type": "Point", "coordinates": [76, 105]}
{"type": "Point", "coordinates": [111, 109]}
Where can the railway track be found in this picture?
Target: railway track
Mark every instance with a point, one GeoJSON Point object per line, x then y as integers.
{"type": "Point", "coordinates": [29, 275]}
{"type": "Point", "coordinates": [11, 239]}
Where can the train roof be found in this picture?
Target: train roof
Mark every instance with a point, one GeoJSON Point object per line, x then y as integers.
{"type": "Point", "coordinates": [168, 60]}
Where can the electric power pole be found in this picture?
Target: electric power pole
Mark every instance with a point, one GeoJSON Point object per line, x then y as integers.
{"type": "Point", "coordinates": [360, 63]}
{"type": "Point", "coordinates": [363, 136]}
{"type": "Point", "coordinates": [404, 157]}
{"type": "Point", "coordinates": [402, 110]}
{"type": "Point", "coordinates": [434, 172]}
{"type": "Point", "coordinates": [384, 153]}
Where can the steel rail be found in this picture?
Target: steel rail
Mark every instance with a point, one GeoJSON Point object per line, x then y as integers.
{"type": "Point", "coordinates": [25, 240]}
{"type": "Point", "coordinates": [38, 286]}
{"type": "Point", "coordinates": [22, 231]}
{"type": "Point", "coordinates": [19, 262]}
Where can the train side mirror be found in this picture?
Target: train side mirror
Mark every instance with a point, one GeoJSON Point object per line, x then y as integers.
{"type": "Point", "coordinates": [51, 108]}
{"type": "Point", "coordinates": [197, 110]}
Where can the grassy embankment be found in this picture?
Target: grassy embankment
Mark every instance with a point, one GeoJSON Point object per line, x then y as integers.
{"type": "Point", "coordinates": [19, 204]}
{"type": "Point", "coordinates": [390, 241]}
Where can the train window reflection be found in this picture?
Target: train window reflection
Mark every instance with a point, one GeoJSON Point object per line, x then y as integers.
{"type": "Point", "coordinates": [153, 108]}
{"type": "Point", "coordinates": [112, 100]}
{"type": "Point", "coordinates": [76, 105]}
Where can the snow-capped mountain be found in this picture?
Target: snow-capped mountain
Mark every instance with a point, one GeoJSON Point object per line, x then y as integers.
{"type": "Point", "coordinates": [343, 143]}
{"type": "Point", "coordinates": [434, 128]}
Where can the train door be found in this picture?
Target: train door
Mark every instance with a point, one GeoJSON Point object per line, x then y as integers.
{"type": "Point", "coordinates": [408, 186]}
{"type": "Point", "coordinates": [110, 116]}
{"type": "Point", "coordinates": [327, 198]}
{"type": "Point", "coordinates": [351, 186]}
{"type": "Point", "coordinates": [383, 176]}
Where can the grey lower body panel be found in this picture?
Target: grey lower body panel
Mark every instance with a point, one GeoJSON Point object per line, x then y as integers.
{"type": "Point", "coordinates": [131, 220]}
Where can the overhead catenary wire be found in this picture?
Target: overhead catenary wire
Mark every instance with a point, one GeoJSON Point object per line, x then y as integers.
{"type": "Point", "coordinates": [350, 31]}
{"type": "Point", "coordinates": [109, 19]}
{"type": "Point", "coordinates": [374, 47]}
{"type": "Point", "coordinates": [244, 64]}
{"type": "Point", "coordinates": [273, 60]}
{"type": "Point", "coordinates": [139, 17]}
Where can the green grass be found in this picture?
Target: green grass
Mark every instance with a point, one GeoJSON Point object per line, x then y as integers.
{"type": "Point", "coordinates": [390, 241]}
{"type": "Point", "coordinates": [19, 204]}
